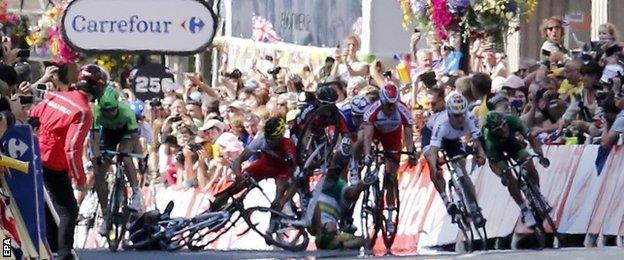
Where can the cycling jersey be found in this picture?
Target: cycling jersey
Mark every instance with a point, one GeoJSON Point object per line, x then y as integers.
{"type": "Point", "coordinates": [349, 119]}
{"type": "Point", "coordinates": [125, 120]}
{"type": "Point", "coordinates": [495, 146]}
{"type": "Point", "coordinates": [319, 122]}
{"type": "Point", "coordinates": [331, 205]}
{"type": "Point", "coordinates": [428, 129]}
{"type": "Point", "coordinates": [443, 130]}
{"type": "Point", "coordinates": [273, 163]}
{"type": "Point", "coordinates": [65, 119]}
{"type": "Point", "coordinates": [401, 116]}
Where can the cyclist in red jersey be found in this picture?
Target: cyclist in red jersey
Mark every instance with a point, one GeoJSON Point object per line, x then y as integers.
{"type": "Point", "coordinates": [387, 120]}
{"type": "Point", "coordinates": [64, 120]}
{"type": "Point", "coordinates": [278, 156]}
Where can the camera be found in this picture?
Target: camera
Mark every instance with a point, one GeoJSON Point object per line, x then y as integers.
{"type": "Point", "coordinates": [176, 119]}
{"type": "Point", "coordinates": [274, 71]}
{"type": "Point", "coordinates": [196, 147]}
{"type": "Point", "coordinates": [155, 102]}
{"type": "Point", "coordinates": [235, 74]}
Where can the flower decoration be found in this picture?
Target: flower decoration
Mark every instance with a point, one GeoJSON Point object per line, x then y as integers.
{"type": "Point", "coordinates": [114, 64]}
{"type": "Point", "coordinates": [46, 38]}
{"type": "Point", "coordinates": [468, 16]}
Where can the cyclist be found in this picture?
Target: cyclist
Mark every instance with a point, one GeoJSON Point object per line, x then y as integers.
{"type": "Point", "coordinates": [325, 95]}
{"type": "Point", "coordinates": [500, 134]}
{"type": "Point", "coordinates": [387, 120]}
{"type": "Point", "coordinates": [116, 130]}
{"type": "Point", "coordinates": [335, 199]}
{"type": "Point", "coordinates": [447, 131]}
{"type": "Point", "coordinates": [278, 155]}
{"type": "Point", "coordinates": [354, 117]}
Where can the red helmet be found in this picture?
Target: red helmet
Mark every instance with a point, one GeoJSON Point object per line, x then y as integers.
{"type": "Point", "coordinates": [389, 94]}
{"type": "Point", "coordinates": [92, 79]}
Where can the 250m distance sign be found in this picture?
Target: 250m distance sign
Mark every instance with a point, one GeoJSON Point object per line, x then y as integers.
{"type": "Point", "coordinates": [151, 80]}
{"type": "Point", "coordinates": [139, 26]}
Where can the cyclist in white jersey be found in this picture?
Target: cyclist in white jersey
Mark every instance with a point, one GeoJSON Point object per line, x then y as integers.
{"type": "Point", "coordinates": [448, 128]}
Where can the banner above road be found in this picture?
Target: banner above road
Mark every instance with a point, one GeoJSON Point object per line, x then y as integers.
{"type": "Point", "coordinates": [321, 23]}
{"type": "Point", "coordinates": [139, 26]}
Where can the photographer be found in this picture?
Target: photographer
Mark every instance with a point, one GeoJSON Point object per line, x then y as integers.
{"type": "Point", "coordinates": [582, 110]}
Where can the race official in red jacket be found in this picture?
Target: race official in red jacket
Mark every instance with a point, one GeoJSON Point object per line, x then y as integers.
{"type": "Point", "coordinates": [64, 120]}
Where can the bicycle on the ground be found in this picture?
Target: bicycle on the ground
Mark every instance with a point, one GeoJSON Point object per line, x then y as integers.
{"type": "Point", "coordinates": [117, 211]}
{"type": "Point", "coordinates": [375, 211]}
{"type": "Point", "coordinates": [536, 202]}
{"type": "Point", "coordinates": [469, 219]}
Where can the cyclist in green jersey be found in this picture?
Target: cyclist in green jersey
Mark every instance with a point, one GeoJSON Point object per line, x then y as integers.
{"type": "Point", "coordinates": [115, 129]}
{"type": "Point", "coordinates": [501, 137]}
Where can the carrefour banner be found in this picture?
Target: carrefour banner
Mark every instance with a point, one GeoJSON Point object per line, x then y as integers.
{"type": "Point", "coordinates": [139, 26]}
{"type": "Point", "coordinates": [321, 23]}
{"type": "Point", "coordinates": [27, 188]}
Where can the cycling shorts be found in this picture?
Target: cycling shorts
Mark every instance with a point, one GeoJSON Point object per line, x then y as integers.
{"type": "Point", "coordinates": [392, 141]}
{"type": "Point", "coordinates": [264, 168]}
{"type": "Point", "coordinates": [332, 241]}
{"type": "Point", "coordinates": [109, 139]}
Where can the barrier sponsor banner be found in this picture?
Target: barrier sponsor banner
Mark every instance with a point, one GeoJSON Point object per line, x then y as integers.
{"type": "Point", "coordinates": [27, 188]}
{"type": "Point", "coordinates": [582, 202]}
{"type": "Point", "coordinates": [179, 27]}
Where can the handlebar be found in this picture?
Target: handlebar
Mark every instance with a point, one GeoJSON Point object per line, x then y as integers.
{"type": "Point", "coordinates": [120, 154]}
{"type": "Point", "coordinates": [514, 163]}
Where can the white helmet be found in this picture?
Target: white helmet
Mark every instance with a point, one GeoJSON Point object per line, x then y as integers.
{"type": "Point", "coordinates": [456, 104]}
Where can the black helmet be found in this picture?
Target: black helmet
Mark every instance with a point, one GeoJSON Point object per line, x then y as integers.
{"type": "Point", "coordinates": [92, 79]}
{"type": "Point", "coordinates": [326, 94]}
{"type": "Point", "coordinates": [274, 127]}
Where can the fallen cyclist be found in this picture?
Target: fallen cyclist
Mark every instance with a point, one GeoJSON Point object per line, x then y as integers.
{"type": "Point", "coordinates": [336, 197]}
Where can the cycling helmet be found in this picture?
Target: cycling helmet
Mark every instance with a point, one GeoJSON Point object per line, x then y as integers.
{"type": "Point", "coordinates": [359, 104]}
{"type": "Point", "coordinates": [494, 120]}
{"type": "Point", "coordinates": [274, 127]}
{"type": "Point", "coordinates": [389, 94]}
{"type": "Point", "coordinates": [109, 100]}
{"type": "Point", "coordinates": [92, 79]}
{"type": "Point", "coordinates": [137, 107]}
{"type": "Point", "coordinates": [456, 104]}
{"type": "Point", "coordinates": [327, 95]}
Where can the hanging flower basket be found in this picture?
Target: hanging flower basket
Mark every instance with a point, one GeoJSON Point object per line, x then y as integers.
{"type": "Point", "coordinates": [46, 38]}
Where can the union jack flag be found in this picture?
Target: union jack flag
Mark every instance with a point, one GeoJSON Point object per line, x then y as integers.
{"type": "Point", "coordinates": [7, 221]}
{"type": "Point", "coordinates": [262, 30]}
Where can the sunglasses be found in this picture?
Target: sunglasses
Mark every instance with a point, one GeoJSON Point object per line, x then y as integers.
{"type": "Point", "coordinates": [552, 28]}
{"type": "Point", "coordinates": [112, 109]}
{"type": "Point", "coordinates": [458, 115]}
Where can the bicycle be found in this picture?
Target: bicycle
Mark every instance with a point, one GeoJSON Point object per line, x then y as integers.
{"type": "Point", "coordinates": [117, 211]}
{"type": "Point", "coordinates": [374, 215]}
{"type": "Point", "coordinates": [536, 202]}
{"type": "Point", "coordinates": [315, 145]}
{"type": "Point", "coordinates": [469, 212]}
{"type": "Point", "coordinates": [207, 227]}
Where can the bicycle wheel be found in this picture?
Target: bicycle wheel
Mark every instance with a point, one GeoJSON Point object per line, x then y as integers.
{"type": "Point", "coordinates": [540, 212]}
{"type": "Point", "coordinates": [204, 233]}
{"type": "Point", "coordinates": [118, 216]}
{"type": "Point", "coordinates": [311, 137]}
{"type": "Point", "coordinates": [463, 244]}
{"type": "Point", "coordinates": [371, 208]}
{"type": "Point", "coordinates": [284, 235]}
{"type": "Point", "coordinates": [388, 237]}
{"type": "Point", "coordinates": [176, 235]}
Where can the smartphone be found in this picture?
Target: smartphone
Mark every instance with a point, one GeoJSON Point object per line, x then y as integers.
{"type": "Point", "coordinates": [25, 100]}
{"type": "Point", "coordinates": [42, 87]}
{"type": "Point", "coordinates": [176, 119]}
{"type": "Point", "coordinates": [546, 53]}
{"type": "Point", "coordinates": [23, 53]}
{"type": "Point", "coordinates": [416, 30]}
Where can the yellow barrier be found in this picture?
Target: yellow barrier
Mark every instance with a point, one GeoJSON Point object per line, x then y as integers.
{"type": "Point", "coordinates": [9, 162]}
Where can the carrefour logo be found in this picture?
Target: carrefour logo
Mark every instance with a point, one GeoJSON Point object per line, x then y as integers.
{"type": "Point", "coordinates": [133, 24]}
{"type": "Point", "coordinates": [194, 24]}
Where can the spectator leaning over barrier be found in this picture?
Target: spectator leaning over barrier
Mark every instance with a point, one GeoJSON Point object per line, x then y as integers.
{"type": "Point", "coordinates": [64, 120]}
{"type": "Point", "coordinates": [553, 49]}
{"type": "Point", "coordinates": [572, 84]}
{"type": "Point", "coordinates": [582, 110]}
